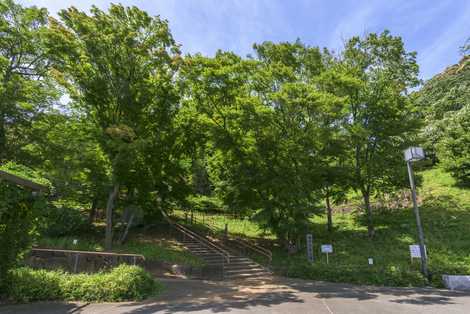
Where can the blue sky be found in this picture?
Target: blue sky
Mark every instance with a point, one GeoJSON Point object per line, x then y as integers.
{"type": "Point", "coordinates": [434, 28]}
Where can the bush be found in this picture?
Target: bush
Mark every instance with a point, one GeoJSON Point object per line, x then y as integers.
{"type": "Point", "coordinates": [62, 221]}
{"type": "Point", "coordinates": [400, 275]}
{"type": "Point", "coordinates": [20, 220]}
{"type": "Point", "coordinates": [204, 203]}
{"type": "Point", "coordinates": [123, 283]}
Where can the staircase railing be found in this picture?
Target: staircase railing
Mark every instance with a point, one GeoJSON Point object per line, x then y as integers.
{"type": "Point", "coordinates": [203, 241]}
{"type": "Point", "coordinates": [245, 243]}
{"type": "Point", "coordinates": [254, 247]}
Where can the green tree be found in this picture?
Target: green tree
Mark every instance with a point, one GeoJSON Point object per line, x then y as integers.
{"type": "Point", "coordinates": [442, 96]}
{"type": "Point", "coordinates": [268, 126]}
{"type": "Point", "coordinates": [24, 85]}
{"type": "Point", "coordinates": [119, 67]}
{"type": "Point", "coordinates": [65, 148]}
{"type": "Point", "coordinates": [454, 147]}
{"type": "Point", "coordinates": [20, 218]}
{"type": "Point", "coordinates": [381, 121]}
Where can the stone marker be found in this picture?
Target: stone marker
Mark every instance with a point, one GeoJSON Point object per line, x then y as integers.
{"type": "Point", "coordinates": [456, 282]}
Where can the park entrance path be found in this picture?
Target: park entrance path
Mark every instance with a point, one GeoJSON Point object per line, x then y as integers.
{"type": "Point", "coordinates": [271, 295]}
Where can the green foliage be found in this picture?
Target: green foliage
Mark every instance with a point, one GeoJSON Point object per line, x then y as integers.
{"type": "Point", "coordinates": [445, 215]}
{"type": "Point", "coordinates": [20, 221]}
{"type": "Point", "coordinates": [152, 249]}
{"type": "Point", "coordinates": [382, 122]}
{"type": "Point", "coordinates": [25, 87]}
{"type": "Point", "coordinates": [441, 97]}
{"type": "Point", "coordinates": [203, 203]}
{"type": "Point", "coordinates": [25, 173]}
{"type": "Point", "coordinates": [61, 221]}
{"type": "Point", "coordinates": [391, 276]}
{"type": "Point", "coordinates": [119, 67]}
{"type": "Point", "coordinates": [123, 283]}
{"type": "Point", "coordinates": [454, 147]}
{"type": "Point", "coordinates": [65, 148]}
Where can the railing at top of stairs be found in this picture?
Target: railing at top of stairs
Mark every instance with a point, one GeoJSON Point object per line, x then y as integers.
{"type": "Point", "coordinates": [203, 241]}
{"type": "Point", "coordinates": [245, 243]}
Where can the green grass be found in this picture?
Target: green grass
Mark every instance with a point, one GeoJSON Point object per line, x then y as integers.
{"type": "Point", "coordinates": [445, 212]}
{"type": "Point", "coordinates": [152, 247]}
{"type": "Point", "coordinates": [236, 226]}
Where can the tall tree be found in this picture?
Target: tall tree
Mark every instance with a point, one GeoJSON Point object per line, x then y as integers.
{"type": "Point", "coordinates": [119, 66]}
{"type": "Point", "coordinates": [381, 121]}
{"type": "Point", "coordinates": [24, 85]}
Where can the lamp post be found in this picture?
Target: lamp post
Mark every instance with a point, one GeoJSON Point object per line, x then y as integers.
{"type": "Point", "coordinates": [415, 154]}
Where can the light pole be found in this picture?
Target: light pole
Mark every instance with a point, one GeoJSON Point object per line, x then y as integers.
{"type": "Point", "coordinates": [415, 154]}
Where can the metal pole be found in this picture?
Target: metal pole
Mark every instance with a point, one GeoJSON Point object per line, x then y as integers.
{"type": "Point", "coordinates": [424, 266]}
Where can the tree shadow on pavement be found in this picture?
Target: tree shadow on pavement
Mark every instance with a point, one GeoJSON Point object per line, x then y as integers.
{"type": "Point", "coordinates": [418, 296]}
{"type": "Point", "coordinates": [213, 296]}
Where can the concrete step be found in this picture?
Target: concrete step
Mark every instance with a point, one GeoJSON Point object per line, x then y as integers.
{"type": "Point", "coordinates": [245, 271]}
{"type": "Point", "coordinates": [245, 276]}
{"type": "Point", "coordinates": [235, 269]}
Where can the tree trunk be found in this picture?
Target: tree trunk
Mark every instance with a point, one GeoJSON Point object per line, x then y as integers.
{"type": "Point", "coordinates": [3, 142]}
{"type": "Point", "coordinates": [329, 213]}
{"type": "Point", "coordinates": [370, 224]}
{"type": "Point", "coordinates": [109, 217]}
{"type": "Point", "coordinates": [92, 215]}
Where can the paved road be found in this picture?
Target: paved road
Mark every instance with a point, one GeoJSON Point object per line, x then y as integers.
{"type": "Point", "coordinates": [270, 296]}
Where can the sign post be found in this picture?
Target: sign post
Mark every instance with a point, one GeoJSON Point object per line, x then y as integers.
{"type": "Point", "coordinates": [327, 248]}
{"type": "Point", "coordinates": [310, 247]}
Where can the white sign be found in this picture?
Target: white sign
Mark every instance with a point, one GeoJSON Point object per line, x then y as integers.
{"type": "Point", "coordinates": [75, 241]}
{"type": "Point", "coordinates": [327, 248]}
{"type": "Point", "coordinates": [371, 261]}
{"type": "Point", "coordinates": [415, 252]}
{"type": "Point", "coordinates": [310, 248]}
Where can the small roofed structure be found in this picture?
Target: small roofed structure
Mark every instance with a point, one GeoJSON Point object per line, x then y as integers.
{"type": "Point", "coordinates": [35, 187]}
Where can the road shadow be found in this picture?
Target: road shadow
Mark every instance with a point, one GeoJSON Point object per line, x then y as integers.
{"type": "Point", "coordinates": [216, 297]}
{"type": "Point", "coordinates": [43, 308]}
{"type": "Point", "coordinates": [418, 296]}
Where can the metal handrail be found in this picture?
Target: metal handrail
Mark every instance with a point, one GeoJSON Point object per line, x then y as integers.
{"type": "Point", "coordinates": [204, 241]}
{"type": "Point", "coordinates": [261, 250]}
{"type": "Point", "coordinates": [244, 242]}
{"type": "Point", "coordinates": [225, 255]}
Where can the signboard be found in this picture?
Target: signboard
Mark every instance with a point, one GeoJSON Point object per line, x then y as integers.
{"type": "Point", "coordinates": [415, 252]}
{"type": "Point", "coordinates": [327, 248]}
{"type": "Point", "coordinates": [310, 248]}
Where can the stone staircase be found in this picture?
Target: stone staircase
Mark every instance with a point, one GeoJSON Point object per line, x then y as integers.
{"type": "Point", "coordinates": [238, 267]}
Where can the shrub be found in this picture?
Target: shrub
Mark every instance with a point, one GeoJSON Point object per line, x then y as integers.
{"type": "Point", "coordinates": [400, 275]}
{"type": "Point", "coordinates": [204, 203]}
{"type": "Point", "coordinates": [62, 221]}
{"type": "Point", "coordinates": [123, 283]}
{"type": "Point", "coordinates": [20, 220]}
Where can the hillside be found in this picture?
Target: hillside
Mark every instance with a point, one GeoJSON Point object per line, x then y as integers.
{"type": "Point", "coordinates": [445, 210]}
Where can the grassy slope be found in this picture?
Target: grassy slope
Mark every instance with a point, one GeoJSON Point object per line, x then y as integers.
{"type": "Point", "coordinates": [445, 211]}
{"type": "Point", "coordinates": [154, 247]}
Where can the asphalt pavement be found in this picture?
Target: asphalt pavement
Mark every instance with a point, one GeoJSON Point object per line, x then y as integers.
{"type": "Point", "coordinates": [271, 295]}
